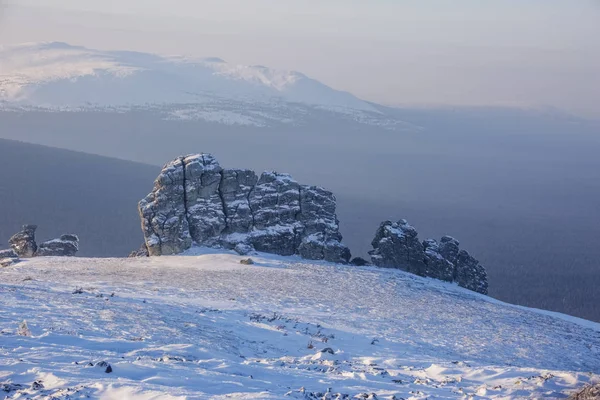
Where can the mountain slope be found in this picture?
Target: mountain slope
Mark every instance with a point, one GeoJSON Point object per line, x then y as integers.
{"type": "Point", "coordinates": [68, 192]}
{"type": "Point", "coordinates": [206, 327]}
{"type": "Point", "coordinates": [58, 74]}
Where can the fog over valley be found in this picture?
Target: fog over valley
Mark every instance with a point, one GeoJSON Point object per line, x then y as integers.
{"type": "Point", "coordinates": [517, 188]}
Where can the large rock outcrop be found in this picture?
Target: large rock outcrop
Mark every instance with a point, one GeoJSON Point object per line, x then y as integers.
{"type": "Point", "coordinates": [396, 245]}
{"type": "Point", "coordinates": [194, 200]}
{"type": "Point", "coordinates": [24, 245]}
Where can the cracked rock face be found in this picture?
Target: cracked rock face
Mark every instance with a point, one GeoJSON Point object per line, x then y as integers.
{"type": "Point", "coordinates": [196, 201]}
{"type": "Point", "coordinates": [23, 243]}
{"type": "Point", "coordinates": [396, 245]}
{"type": "Point", "coordinates": [65, 246]}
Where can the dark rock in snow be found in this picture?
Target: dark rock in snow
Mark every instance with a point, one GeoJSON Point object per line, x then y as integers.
{"type": "Point", "coordinates": [591, 392]}
{"type": "Point", "coordinates": [8, 254]}
{"type": "Point", "coordinates": [141, 252]}
{"type": "Point", "coordinates": [7, 262]}
{"type": "Point", "coordinates": [359, 261]}
{"type": "Point", "coordinates": [37, 385]}
{"type": "Point", "coordinates": [8, 258]}
{"type": "Point", "coordinates": [396, 246]}
{"type": "Point", "coordinates": [469, 273]}
{"type": "Point", "coordinates": [247, 261]}
{"type": "Point", "coordinates": [65, 246]}
{"type": "Point", "coordinates": [196, 201]}
{"type": "Point", "coordinates": [23, 243]}
{"type": "Point", "coordinates": [436, 266]}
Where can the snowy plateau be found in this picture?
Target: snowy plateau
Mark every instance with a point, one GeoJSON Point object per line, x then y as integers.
{"type": "Point", "coordinates": [204, 326]}
{"type": "Point", "coordinates": [56, 76]}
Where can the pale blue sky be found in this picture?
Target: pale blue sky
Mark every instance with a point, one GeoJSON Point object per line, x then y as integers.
{"type": "Point", "coordinates": [467, 52]}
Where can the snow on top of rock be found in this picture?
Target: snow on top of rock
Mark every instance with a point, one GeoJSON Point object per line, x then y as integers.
{"type": "Point", "coordinates": [58, 74]}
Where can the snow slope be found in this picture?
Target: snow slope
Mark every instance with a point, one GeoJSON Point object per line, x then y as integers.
{"type": "Point", "coordinates": [59, 74]}
{"type": "Point", "coordinates": [203, 326]}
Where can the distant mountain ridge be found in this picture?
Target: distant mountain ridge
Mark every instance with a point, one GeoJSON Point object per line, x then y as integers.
{"type": "Point", "coordinates": [57, 75]}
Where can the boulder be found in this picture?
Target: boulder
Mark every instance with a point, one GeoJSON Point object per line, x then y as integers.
{"type": "Point", "coordinates": [9, 253]}
{"type": "Point", "coordinates": [23, 243]}
{"type": "Point", "coordinates": [8, 261]}
{"type": "Point", "coordinates": [65, 246]}
{"type": "Point", "coordinates": [396, 245]}
{"type": "Point", "coordinates": [359, 262]}
{"type": "Point", "coordinates": [194, 200]}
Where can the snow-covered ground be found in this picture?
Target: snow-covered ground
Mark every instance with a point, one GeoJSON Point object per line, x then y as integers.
{"type": "Point", "coordinates": [204, 326]}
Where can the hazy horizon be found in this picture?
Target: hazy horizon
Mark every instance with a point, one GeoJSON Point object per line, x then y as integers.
{"type": "Point", "coordinates": [509, 53]}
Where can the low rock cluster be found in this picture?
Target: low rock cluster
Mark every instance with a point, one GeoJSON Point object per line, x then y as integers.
{"type": "Point", "coordinates": [24, 245]}
{"type": "Point", "coordinates": [396, 245]}
{"type": "Point", "coordinates": [196, 201]}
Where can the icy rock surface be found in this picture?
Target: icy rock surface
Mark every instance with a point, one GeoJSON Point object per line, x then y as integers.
{"type": "Point", "coordinates": [196, 201]}
{"type": "Point", "coordinates": [23, 243]}
{"type": "Point", "coordinates": [65, 246]}
{"type": "Point", "coordinates": [396, 245]}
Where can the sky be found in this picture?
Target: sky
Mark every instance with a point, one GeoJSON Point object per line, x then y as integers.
{"type": "Point", "coordinates": [534, 53]}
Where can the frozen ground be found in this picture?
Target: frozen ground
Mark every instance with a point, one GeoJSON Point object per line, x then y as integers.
{"type": "Point", "coordinates": [203, 326]}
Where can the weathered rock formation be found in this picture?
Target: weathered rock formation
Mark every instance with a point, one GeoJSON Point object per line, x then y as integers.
{"type": "Point", "coordinates": [396, 245]}
{"type": "Point", "coordinates": [24, 245]}
{"type": "Point", "coordinates": [194, 200]}
{"type": "Point", "coordinates": [65, 246]}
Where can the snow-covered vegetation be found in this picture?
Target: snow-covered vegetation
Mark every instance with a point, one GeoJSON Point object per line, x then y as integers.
{"type": "Point", "coordinates": [204, 326]}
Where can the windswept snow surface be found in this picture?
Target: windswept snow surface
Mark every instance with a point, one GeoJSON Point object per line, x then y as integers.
{"type": "Point", "coordinates": [203, 326]}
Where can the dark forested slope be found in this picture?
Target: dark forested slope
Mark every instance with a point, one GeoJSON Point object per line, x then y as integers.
{"type": "Point", "coordinates": [69, 192]}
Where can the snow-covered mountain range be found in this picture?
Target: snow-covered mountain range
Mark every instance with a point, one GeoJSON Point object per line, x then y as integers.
{"type": "Point", "coordinates": [60, 76]}
{"type": "Point", "coordinates": [204, 326]}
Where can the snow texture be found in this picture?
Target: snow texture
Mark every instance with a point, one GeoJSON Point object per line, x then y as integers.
{"type": "Point", "coordinates": [204, 326]}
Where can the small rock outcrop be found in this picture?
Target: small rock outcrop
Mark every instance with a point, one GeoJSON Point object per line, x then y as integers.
{"type": "Point", "coordinates": [396, 245]}
{"type": "Point", "coordinates": [23, 243]}
{"type": "Point", "coordinates": [194, 200]}
{"type": "Point", "coordinates": [8, 258]}
{"type": "Point", "coordinates": [591, 392]}
{"type": "Point", "coordinates": [65, 246]}
{"type": "Point", "coordinates": [8, 254]}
